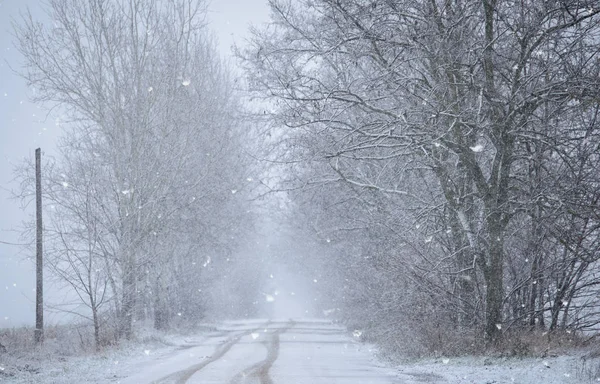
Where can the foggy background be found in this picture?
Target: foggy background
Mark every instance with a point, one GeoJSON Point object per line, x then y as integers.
{"type": "Point", "coordinates": [24, 127]}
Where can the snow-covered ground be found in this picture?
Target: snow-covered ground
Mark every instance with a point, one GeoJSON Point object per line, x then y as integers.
{"type": "Point", "coordinates": [286, 351]}
{"type": "Point", "coordinates": [554, 370]}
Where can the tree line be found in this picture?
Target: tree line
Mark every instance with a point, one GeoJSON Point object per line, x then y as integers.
{"type": "Point", "coordinates": [146, 200]}
{"type": "Point", "coordinates": [447, 151]}
{"type": "Point", "coordinates": [439, 159]}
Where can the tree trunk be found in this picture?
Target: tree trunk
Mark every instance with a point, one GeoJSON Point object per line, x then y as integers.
{"type": "Point", "coordinates": [494, 298]}
{"type": "Point", "coordinates": [161, 313]}
{"type": "Point", "coordinates": [96, 327]}
{"type": "Point", "coordinates": [128, 300]}
{"type": "Point", "coordinates": [494, 275]}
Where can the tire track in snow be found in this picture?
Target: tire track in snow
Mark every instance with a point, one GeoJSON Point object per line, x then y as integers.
{"type": "Point", "coordinates": [260, 370]}
{"type": "Point", "coordinates": [183, 376]}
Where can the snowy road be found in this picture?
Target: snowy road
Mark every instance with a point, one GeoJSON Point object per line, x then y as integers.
{"type": "Point", "coordinates": [286, 352]}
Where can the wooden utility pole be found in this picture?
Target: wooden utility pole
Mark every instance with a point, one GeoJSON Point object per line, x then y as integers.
{"type": "Point", "coordinates": [39, 271]}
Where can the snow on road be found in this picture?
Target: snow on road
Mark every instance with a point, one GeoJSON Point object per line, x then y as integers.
{"type": "Point", "coordinates": [322, 353]}
{"type": "Point", "coordinates": [270, 353]}
{"type": "Point", "coordinates": [294, 352]}
{"type": "Point", "coordinates": [319, 352]}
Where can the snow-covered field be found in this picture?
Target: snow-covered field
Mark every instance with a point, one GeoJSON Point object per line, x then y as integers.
{"type": "Point", "coordinates": [285, 351]}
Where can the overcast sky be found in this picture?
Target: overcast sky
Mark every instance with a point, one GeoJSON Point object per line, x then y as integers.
{"type": "Point", "coordinates": [24, 127]}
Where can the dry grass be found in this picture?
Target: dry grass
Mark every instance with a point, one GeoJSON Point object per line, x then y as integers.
{"type": "Point", "coordinates": [436, 339]}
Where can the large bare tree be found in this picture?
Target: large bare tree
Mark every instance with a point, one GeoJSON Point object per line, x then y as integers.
{"type": "Point", "coordinates": [436, 103]}
{"type": "Point", "coordinates": [153, 149]}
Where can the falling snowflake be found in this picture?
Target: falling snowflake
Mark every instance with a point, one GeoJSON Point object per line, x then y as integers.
{"type": "Point", "coordinates": [315, 280]}
{"type": "Point", "coordinates": [477, 148]}
{"type": "Point", "coordinates": [147, 352]}
{"type": "Point", "coordinates": [233, 191]}
{"type": "Point", "coordinates": [150, 89]}
{"type": "Point", "coordinates": [185, 82]}
{"type": "Point", "coordinates": [65, 184]}
{"type": "Point", "coordinates": [445, 361]}
{"type": "Point", "coordinates": [208, 260]}
{"type": "Point", "coordinates": [269, 298]}
{"type": "Point", "coordinates": [499, 326]}
{"type": "Point", "coordinates": [179, 314]}
{"type": "Point", "coordinates": [357, 333]}
{"type": "Point", "coordinates": [254, 335]}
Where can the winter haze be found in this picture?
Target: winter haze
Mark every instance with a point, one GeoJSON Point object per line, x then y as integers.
{"type": "Point", "coordinates": [24, 127]}
{"type": "Point", "coordinates": [269, 191]}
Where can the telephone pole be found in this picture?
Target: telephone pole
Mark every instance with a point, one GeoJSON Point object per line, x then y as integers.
{"type": "Point", "coordinates": [39, 271]}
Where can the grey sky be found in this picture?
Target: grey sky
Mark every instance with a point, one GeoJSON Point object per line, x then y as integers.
{"type": "Point", "coordinates": [24, 127]}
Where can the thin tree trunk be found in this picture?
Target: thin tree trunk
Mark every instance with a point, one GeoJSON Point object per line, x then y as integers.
{"type": "Point", "coordinates": [128, 299]}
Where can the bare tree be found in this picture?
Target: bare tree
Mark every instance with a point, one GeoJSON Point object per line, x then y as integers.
{"type": "Point", "coordinates": [153, 151]}
{"type": "Point", "coordinates": [445, 95]}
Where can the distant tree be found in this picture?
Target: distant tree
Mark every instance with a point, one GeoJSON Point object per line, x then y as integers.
{"type": "Point", "coordinates": [153, 151]}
